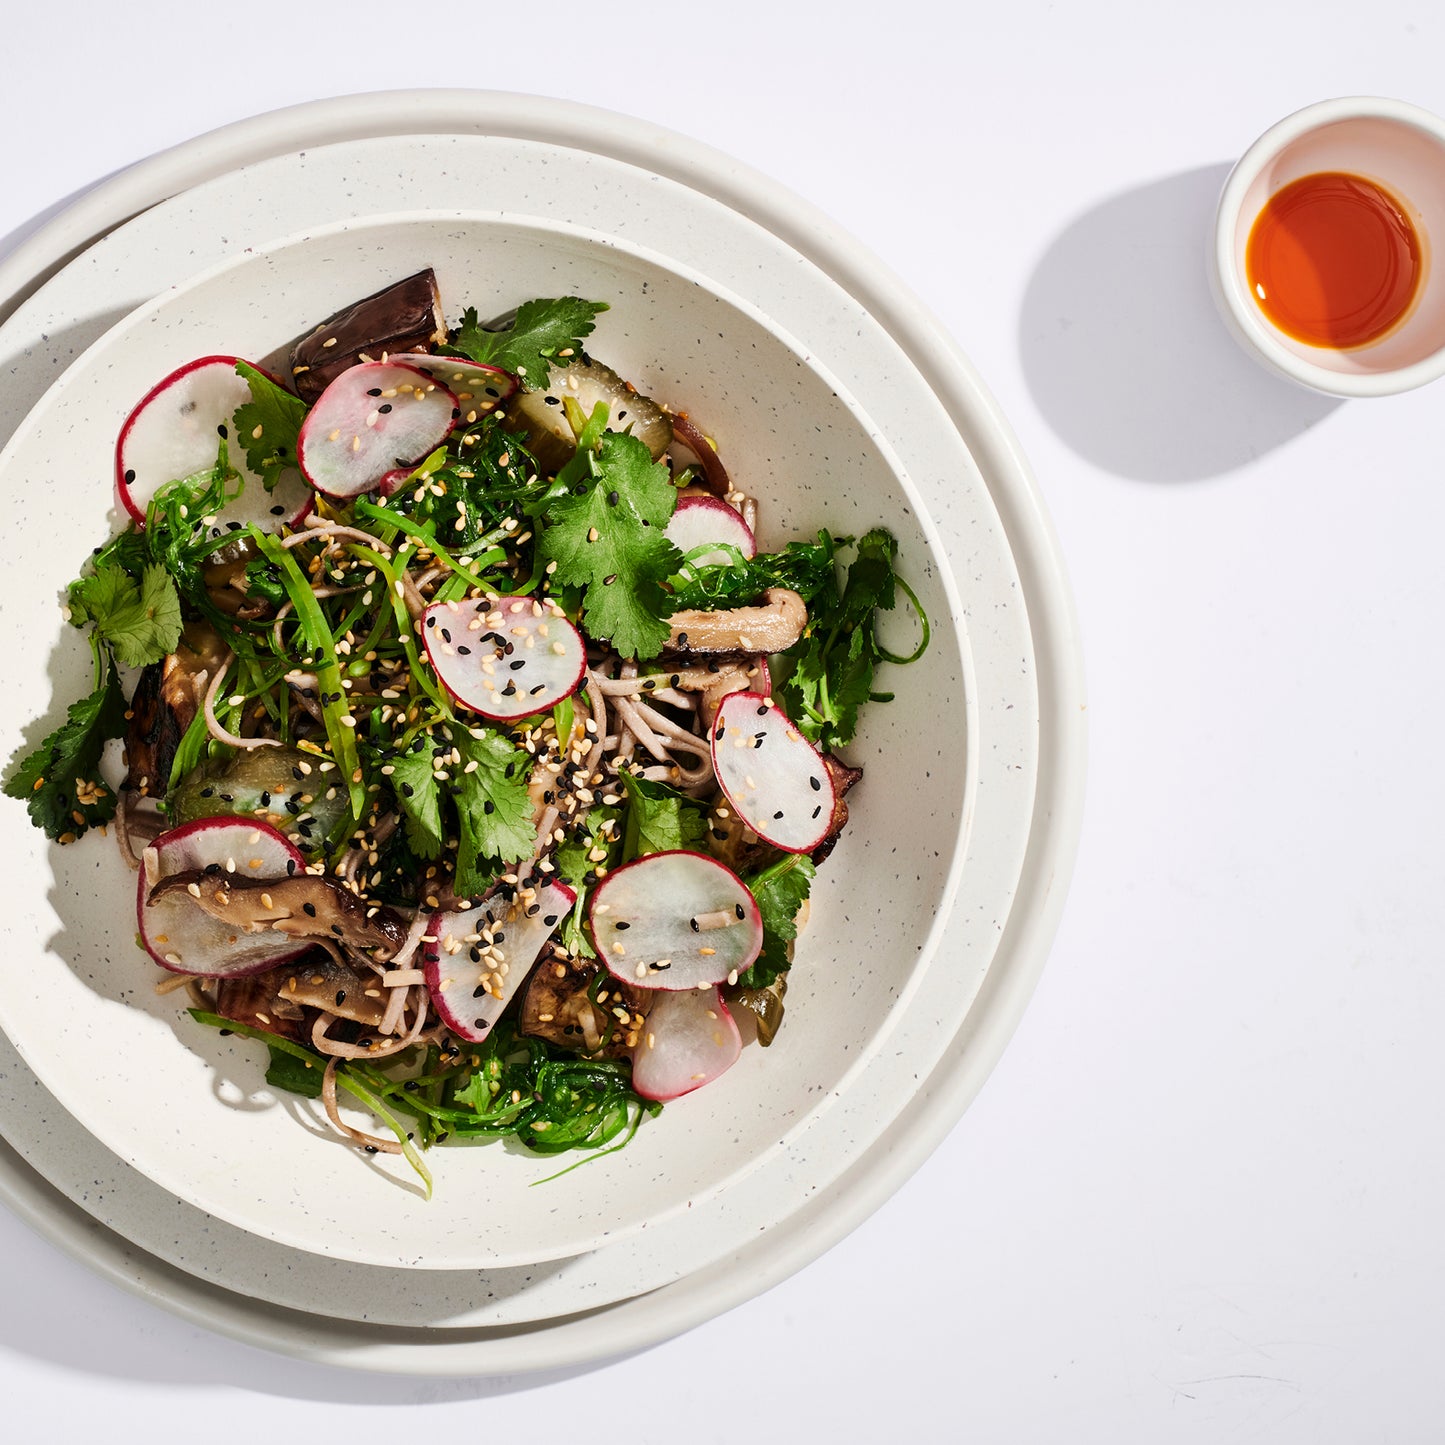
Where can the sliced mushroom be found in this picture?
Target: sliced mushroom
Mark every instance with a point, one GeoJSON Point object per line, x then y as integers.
{"type": "Point", "coordinates": [166, 700]}
{"type": "Point", "coordinates": [304, 906]}
{"type": "Point", "coordinates": [556, 1007]}
{"type": "Point", "coordinates": [320, 982]}
{"type": "Point", "coordinates": [401, 318]}
{"type": "Point", "coordinates": [843, 777]}
{"type": "Point", "coordinates": [772, 626]}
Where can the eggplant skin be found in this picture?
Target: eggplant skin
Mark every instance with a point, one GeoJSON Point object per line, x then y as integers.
{"type": "Point", "coordinates": [552, 1007]}
{"type": "Point", "coordinates": [166, 700]}
{"type": "Point", "coordinates": [843, 778]}
{"type": "Point", "coordinates": [403, 317]}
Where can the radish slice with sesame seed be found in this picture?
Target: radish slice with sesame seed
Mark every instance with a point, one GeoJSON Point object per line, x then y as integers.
{"type": "Point", "coordinates": [504, 657]}
{"type": "Point", "coordinates": [178, 933]}
{"type": "Point", "coordinates": [771, 774]}
{"type": "Point", "coordinates": [478, 388]}
{"type": "Point", "coordinates": [690, 1039]}
{"type": "Point", "coordinates": [475, 961]}
{"type": "Point", "coordinates": [675, 920]}
{"type": "Point", "coordinates": [372, 419]}
{"type": "Point", "coordinates": [175, 431]}
{"type": "Point", "coordinates": [698, 521]}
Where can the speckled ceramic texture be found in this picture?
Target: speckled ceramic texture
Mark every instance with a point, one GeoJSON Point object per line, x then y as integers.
{"type": "Point", "coordinates": [833, 1174]}
{"type": "Point", "coordinates": [182, 1104]}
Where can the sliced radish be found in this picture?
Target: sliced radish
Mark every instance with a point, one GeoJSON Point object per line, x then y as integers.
{"type": "Point", "coordinates": [698, 521]}
{"type": "Point", "coordinates": [477, 387]}
{"type": "Point", "coordinates": [373, 418]}
{"type": "Point", "coordinates": [675, 920]}
{"type": "Point", "coordinates": [475, 961]}
{"type": "Point", "coordinates": [175, 431]}
{"type": "Point", "coordinates": [504, 657]}
{"type": "Point", "coordinates": [690, 1039]}
{"type": "Point", "coordinates": [771, 774]}
{"type": "Point", "coordinates": [178, 933]}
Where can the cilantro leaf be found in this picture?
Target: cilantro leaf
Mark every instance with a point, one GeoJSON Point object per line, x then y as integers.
{"type": "Point", "coordinates": [609, 541]}
{"type": "Point", "coordinates": [830, 668]}
{"type": "Point", "coordinates": [141, 621]}
{"type": "Point", "coordinates": [780, 891]}
{"type": "Point", "coordinates": [267, 425]}
{"type": "Point", "coordinates": [60, 781]}
{"type": "Point", "coordinates": [493, 809]}
{"type": "Point", "coordinates": [527, 347]}
{"type": "Point", "coordinates": [419, 798]}
{"type": "Point", "coordinates": [659, 819]}
{"type": "Point", "coordinates": [586, 835]}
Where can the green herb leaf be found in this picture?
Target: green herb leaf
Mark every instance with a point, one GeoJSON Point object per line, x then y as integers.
{"type": "Point", "coordinates": [267, 425]}
{"type": "Point", "coordinates": [295, 1076]}
{"type": "Point", "coordinates": [419, 798]}
{"type": "Point", "coordinates": [609, 541]}
{"type": "Point", "coordinates": [780, 891]}
{"type": "Point", "coordinates": [141, 621]}
{"type": "Point", "coordinates": [493, 809]}
{"type": "Point", "coordinates": [829, 671]}
{"type": "Point", "coordinates": [60, 781]}
{"type": "Point", "coordinates": [659, 819]}
{"type": "Point", "coordinates": [529, 346]}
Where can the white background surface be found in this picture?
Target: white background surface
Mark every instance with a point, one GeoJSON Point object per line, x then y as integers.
{"type": "Point", "coordinates": [1201, 1197]}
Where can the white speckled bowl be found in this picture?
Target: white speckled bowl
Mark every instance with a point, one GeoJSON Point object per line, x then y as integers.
{"type": "Point", "coordinates": [186, 1107]}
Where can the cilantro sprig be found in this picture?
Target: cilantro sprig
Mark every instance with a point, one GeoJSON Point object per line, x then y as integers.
{"type": "Point", "coordinates": [60, 782]}
{"type": "Point", "coordinates": [530, 345]}
{"type": "Point", "coordinates": [606, 539]}
{"type": "Point", "coordinates": [780, 891]}
{"type": "Point", "coordinates": [267, 425]}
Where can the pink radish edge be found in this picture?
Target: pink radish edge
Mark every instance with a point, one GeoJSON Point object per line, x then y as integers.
{"type": "Point", "coordinates": [123, 496]}
{"type": "Point", "coordinates": [683, 1048]}
{"type": "Point", "coordinates": [797, 790]}
{"type": "Point", "coordinates": [184, 833]}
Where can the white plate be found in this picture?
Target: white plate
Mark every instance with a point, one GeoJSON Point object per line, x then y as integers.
{"type": "Point", "coordinates": [1010, 974]}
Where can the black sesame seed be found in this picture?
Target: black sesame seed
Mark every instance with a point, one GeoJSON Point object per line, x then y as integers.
{"type": "Point", "coordinates": [336, 929]}
{"type": "Point", "coordinates": [817, 810]}
{"type": "Point", "coordinates": [682, 639]}
{"type": "Point", "coordinates": [762, 712]}
{"type": "Point", "coordinates": [622, 926]}
{"type": "Point", "coordinates": [777, 815]}
{"type": "Point", "coordinates": [309, 909]}
{"type": "Point", "coordinates": [278, 511]}
{"type": "Point", "coordinates": [488, 806]}
{"type": "Point", "coordinates": [738, 909]}
{"type": "Point", "coordinates": [374, 391]}
{"type": "Point", "coordinates": [340, 997]}
{"type": "Point", "coordinates": [290, 867]}
{"type": "Point", "coordinates": [517, 664]}
{"type": "Point", "coordinates": [549, 919]}
{"type": "Point", "coordinates": [384, 407]}
{"type": "Point", "coordinates": [612, 499]}
{"type": "Point", "coordinates": [816, 784]}
{"type": "Point", "coordinates": [129, 477]}
{"type": "Point", "coordinates": [222, 432]}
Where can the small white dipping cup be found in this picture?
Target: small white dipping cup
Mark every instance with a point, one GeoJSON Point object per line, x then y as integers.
{"type": "Point", "coordinates": [1397, 145]}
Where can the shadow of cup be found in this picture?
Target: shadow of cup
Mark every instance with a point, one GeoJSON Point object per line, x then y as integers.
{"type": "Point", "coordinates": [1126, 356]}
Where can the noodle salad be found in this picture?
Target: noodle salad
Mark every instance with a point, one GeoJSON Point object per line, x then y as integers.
{"type": "Point", "coordinates": [477, 761]}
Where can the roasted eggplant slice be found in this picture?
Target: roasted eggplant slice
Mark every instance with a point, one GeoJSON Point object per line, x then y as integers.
{"type": "Point", "coordinates": [166, 700]}
{"type": "Point", "coordinates": [541, 418]}
{"type": "Point", "coordinates": [560, 1005]}
{"type": "Point", "coordinates": [404, 317]}
{"type": "Point", "coordinates": [843, 778]}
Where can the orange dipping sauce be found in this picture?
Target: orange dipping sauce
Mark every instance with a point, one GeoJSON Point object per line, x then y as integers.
{"type": "Point", "coordinates": [1333, 260]}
